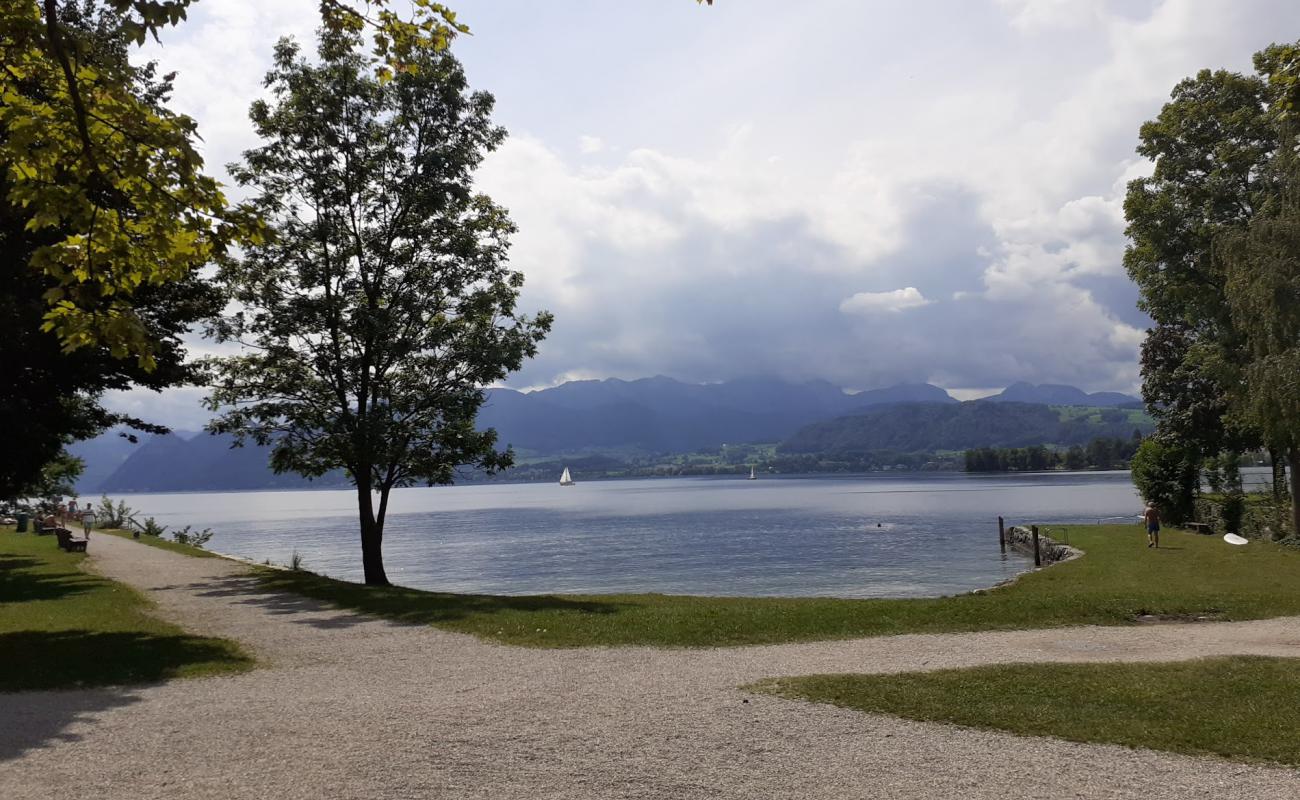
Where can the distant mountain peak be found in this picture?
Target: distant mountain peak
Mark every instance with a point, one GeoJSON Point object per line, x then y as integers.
{"type": "Point", "coordinates": [904, 393]}
{"type": "Point", "coordinates": [1058, 394]}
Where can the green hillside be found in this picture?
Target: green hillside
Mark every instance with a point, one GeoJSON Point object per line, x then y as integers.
{"type": "Point", "coordinates": [916, 428]}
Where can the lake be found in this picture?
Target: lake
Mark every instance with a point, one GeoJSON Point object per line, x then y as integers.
{"type": "Point", "coordinates": [879, 535]}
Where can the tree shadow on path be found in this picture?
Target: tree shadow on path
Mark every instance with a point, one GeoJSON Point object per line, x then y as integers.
{"type": "Point", "coordinates": [310, 595]}
{"type": "Point", "coordinates": [36, 660]}
{"type": "Point", "coordinates": [34, 720]}
{"type": "Point", "coordinates": [75, 660]}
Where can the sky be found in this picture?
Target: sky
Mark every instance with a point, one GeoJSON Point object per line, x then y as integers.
{"type": "Point", "coordinates": [863, 192]}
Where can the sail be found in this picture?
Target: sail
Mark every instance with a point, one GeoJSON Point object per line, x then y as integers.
{"type": "Point", "coordinates": [565, 479]}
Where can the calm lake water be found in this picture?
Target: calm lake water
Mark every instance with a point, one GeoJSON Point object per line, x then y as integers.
{"type": "Point", "coordinates": [883, 535]}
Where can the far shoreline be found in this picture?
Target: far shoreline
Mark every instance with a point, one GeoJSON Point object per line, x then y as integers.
{"type": "Point", "coordinates": [875, 474]}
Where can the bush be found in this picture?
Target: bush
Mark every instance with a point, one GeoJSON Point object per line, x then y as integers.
{"type": "Point", "coordinates": [1166, 475]}
{"type": "Point", "coordinates": [153, 528]}
{"type": "Point", "coordinates": [1233, 509]}
{"type": "Point", "coordinates": [192, 537]}
{"type": "Point", "coordinates": [111, 516]}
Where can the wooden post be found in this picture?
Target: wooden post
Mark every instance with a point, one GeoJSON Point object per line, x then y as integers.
{"type": "Point", "coordinates": [1038, 559]}
{"type": "Point", "coordinates": [1002, 535]}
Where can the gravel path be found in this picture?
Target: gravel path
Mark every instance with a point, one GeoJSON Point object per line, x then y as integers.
{"type": "Point", "coordinates": [351, 707]}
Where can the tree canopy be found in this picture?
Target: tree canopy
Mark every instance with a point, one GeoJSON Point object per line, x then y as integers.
{"type": "Point", "coordinates": [106, 216]}
{"type": "Point", "coordinates": [1211, 145]}
{"type": "Point", "coordinates": [382, 303]}
{"type": "Point", "coordinates": [51, 395]}
{"type": "Point", "coordinates": [117, 175]}
{"type": "Point", "coordinates": [108, 173]}
{"type": "Point", "coordinates": [1263, 291]}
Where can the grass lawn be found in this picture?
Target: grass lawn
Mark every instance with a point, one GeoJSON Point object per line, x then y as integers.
{"type": "Point", "coordinates": [62, 627]}
{"type": "Point", "coordinates": [159, 542]}
{"type": "Point", "coordinates": [1117, 580]}
{"type": "Point", "coordinates": [1241, 707]}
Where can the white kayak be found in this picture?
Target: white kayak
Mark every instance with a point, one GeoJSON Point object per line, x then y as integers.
{"type": "Point", "coordinates": [1232, 538]}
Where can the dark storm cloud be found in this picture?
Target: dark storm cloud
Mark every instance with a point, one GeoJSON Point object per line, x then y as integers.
{"type": "Point", "coordinates": [766, 300]}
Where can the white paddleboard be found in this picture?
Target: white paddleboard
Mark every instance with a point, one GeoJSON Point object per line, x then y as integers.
{"type": "Point", "coordinates": [1232, 538]}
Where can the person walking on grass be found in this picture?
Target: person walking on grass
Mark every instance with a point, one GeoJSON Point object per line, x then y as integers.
{"type": "Point", "coordinates": [1151, 516]}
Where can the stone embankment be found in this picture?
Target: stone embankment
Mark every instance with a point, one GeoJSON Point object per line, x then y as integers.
{"type": "Point", "coordinates": [1050, 551]}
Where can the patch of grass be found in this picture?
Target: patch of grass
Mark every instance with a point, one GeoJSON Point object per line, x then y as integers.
{"type": "Point", "coordinates": [62, 627]}
{"type": "Point", "coordinates": [1240, 707]}
{"type": "Point", "coordinates": [1117, 580]}
{"type": "Point", "coordinates": [1132, 416]}
{"type": "Point", "coordinates": [159, 542]}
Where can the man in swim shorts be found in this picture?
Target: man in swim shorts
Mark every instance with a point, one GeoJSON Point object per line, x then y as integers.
{"type": "Point", "coordinates": [1152, 519]}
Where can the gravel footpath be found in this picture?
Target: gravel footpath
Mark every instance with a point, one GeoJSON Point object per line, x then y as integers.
{"type": "Point", "coordinates": [347, 706]}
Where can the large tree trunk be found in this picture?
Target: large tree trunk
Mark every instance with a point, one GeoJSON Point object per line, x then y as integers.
{"type": "Point", "coordinates": [1293, 459]}
{"type": "Point", "coordinates": [372, 538]}
{"type": "Point", "coordinates": [1279, 474]}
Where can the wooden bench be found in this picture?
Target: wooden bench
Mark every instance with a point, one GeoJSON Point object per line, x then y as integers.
{"type": "Point", "coordinates": [1201, 527]}
{"type": "Point", "coordinates": [69, 542]}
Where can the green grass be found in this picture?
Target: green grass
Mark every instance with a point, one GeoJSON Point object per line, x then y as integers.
{"type": "Point", "coordinates": [1133, 416]}
{"type": "Point", "coordinates": [1116, 581]}
{"type": "Point", "coordinates": [1241, 707]}
{"type": "Point", "coordinates": [159, 542]}
{"type": "Point", "coordinates": [62, 627]}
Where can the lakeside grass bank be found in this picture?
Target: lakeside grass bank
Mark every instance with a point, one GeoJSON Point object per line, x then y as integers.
{"type": "Point", "coordinates": [63, 627]}
{"type": "Point", "coordinates": [159, 542]}
{"type": "Point", "coordinates": [1239, 707]}
{"type": "Point", "coordinates": [1119, 581]}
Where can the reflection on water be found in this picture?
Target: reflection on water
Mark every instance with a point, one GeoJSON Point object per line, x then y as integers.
{"type": "Point", "coordinates": [863, 536]}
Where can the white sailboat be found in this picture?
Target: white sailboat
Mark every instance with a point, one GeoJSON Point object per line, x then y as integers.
{"type": "Point", "coordinates": [566, 479]}
{"type": "Point", "coordinates": [752, 476]}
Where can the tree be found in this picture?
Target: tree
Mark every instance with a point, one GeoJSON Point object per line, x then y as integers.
{"type": "Point", "coordinates": [50, 396]}
{"type": "Point", "coordinates": [117, 175]}
{"type": "Point", "coordinates": [1211, 145]}
{"type": "Point", "coordinates": [1263, 289]}
{"type": "Point", "coordinates": [122, 179]}
{"type": "Point", "coordinates": [1100, 453]}
{"type": "Point", "coordinates": [57, 478]}
{"type": "Point", "coordinates": [1161, 470]}
{"type": "Point", "coordinates": [109, 174]}
{"type": "Point", "coordinates": [382, 304]}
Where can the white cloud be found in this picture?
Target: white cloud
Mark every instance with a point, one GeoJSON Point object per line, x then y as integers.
{"type": "Point", "coordinates": [179, 409]}
{"type": "Point", "coordinates": [1031, 16]}
{"type": "Point", "coordinates": [770, 168]}
{"type": "Point", "coordinates": [875, 302]}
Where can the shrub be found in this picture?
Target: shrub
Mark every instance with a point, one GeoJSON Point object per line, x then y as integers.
{"type": "Point", "coordinates": [153, 528]}
{"type": "Point", "coordinates": [1166, 475]}
{"type": "Point", "coordinates": [111, 516]}
{"type": "Point", "coordinates": [191, 537]}
{"type": "Point", "coordinates": [1233, 509]}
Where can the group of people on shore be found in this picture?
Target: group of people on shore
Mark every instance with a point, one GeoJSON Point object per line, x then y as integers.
{"type": "Point", "coordinates": [60, 515]}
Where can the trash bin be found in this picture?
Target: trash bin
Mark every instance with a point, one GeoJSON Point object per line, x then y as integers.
{"type": "Point", "coordinates": [22, 523]}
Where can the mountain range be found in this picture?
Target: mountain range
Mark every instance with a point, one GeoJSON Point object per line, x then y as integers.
{"type": "Point", "coordinates": [654, 415]}
{"type": "Point", "coordinates": [1057, 395]}
{"type": "Point", "coordinates": [661, 414]}
{"type": "Point", "coordinates": [914, 428]}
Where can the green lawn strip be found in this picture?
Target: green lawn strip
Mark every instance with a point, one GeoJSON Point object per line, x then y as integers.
{"type": "Point", "coordinates": [62, 627]}
{"type": "Point", "coordinates": [1240, 707]}
{"type": "Point", "coordinates": [159, 542]}
{"type": "Point", "coordinates": [1118, 579]}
